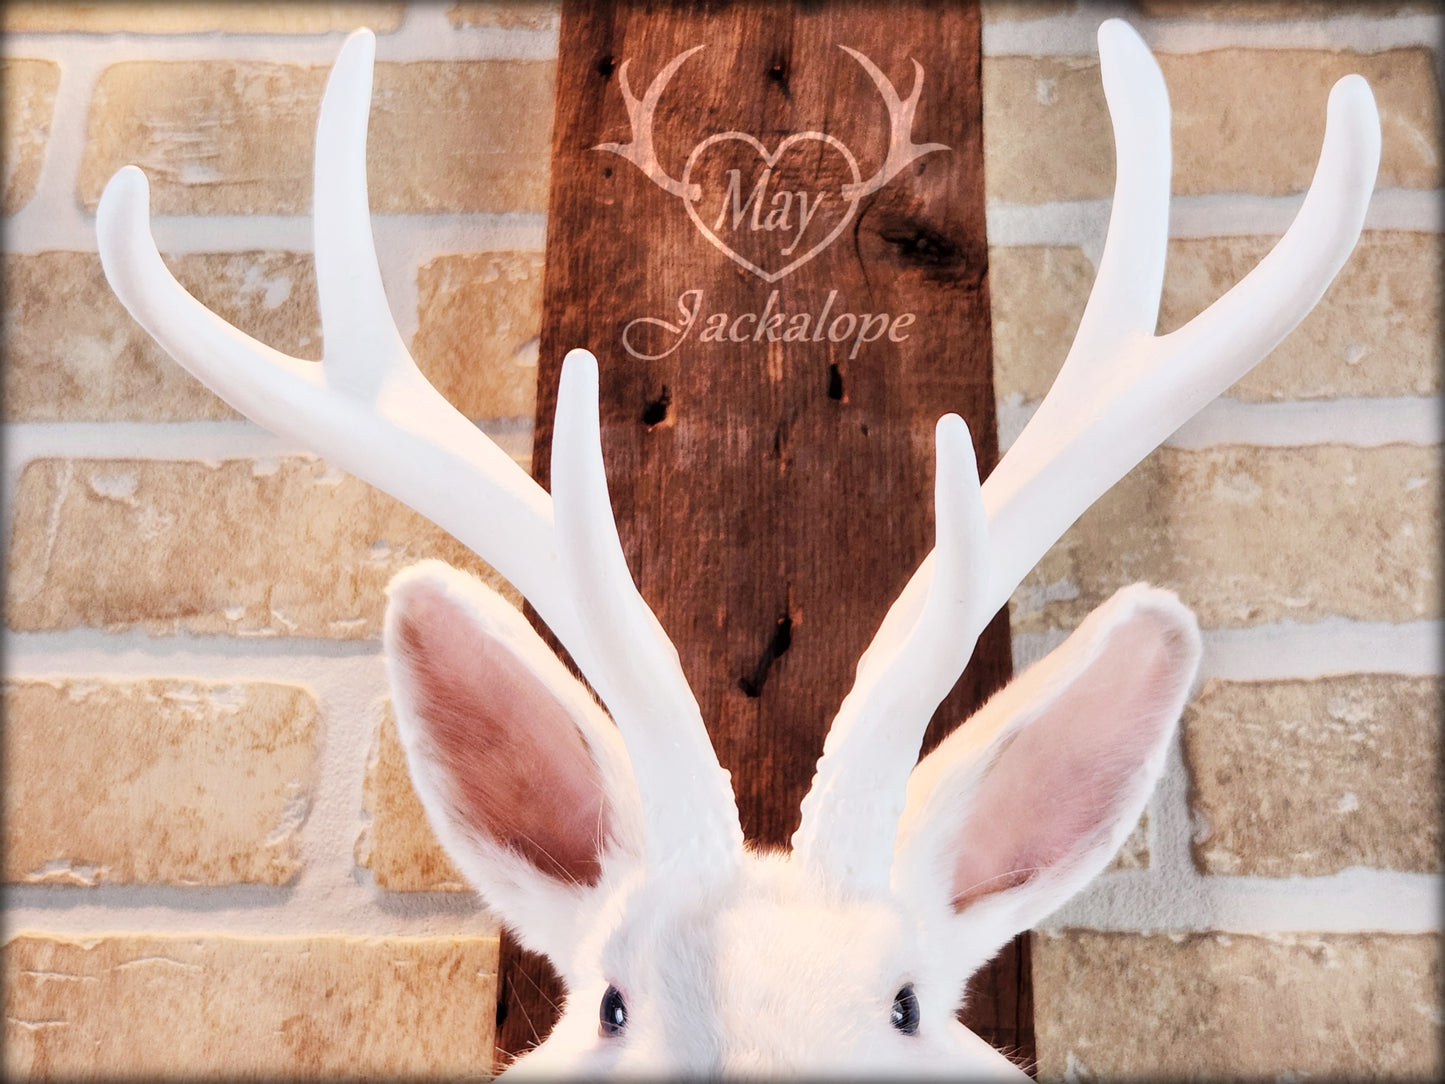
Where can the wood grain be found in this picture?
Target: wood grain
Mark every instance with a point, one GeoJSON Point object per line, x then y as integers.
{"type": "Point", "coordinates": [774, 496]}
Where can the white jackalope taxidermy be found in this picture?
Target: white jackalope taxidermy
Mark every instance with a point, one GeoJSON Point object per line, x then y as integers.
{"type": "Point", "coordinates": [616, 849]}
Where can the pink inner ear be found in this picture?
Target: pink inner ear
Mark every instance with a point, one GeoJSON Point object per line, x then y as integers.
{"type": "Point", "coordinates": [1059, 787]}
{"type": "Point", "coordinates": [517, 768]}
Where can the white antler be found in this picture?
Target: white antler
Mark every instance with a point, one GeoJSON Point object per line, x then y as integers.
{"type": "Point", "coordinates": [901, 148]}
{"type": "Point", "coordinates": [1121, 392]}
{"type": "Point", "coordinates": [640, 151]}
{"type": "Point", "coordinates": [368, 409]}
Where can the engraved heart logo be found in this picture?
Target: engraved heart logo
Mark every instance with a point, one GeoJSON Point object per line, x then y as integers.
{"type": "Point", "coordinates": [762, 217]}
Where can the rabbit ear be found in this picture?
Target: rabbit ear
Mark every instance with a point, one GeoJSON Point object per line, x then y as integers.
{"type": "Point", "coordinates": [1020, 807]}
{"type": "Point", "coordinates": [524, 778]}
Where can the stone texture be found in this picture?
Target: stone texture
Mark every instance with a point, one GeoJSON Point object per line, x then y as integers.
{"type": "Point", "coordinates": [27, 104]}
{"type": "Point", "coordinates": [479, 316]}
{"type": "Point", "coordinates": [188, 18]}
{"type": "Point", "coordinates": [1134, 853]}
{"type": "Point", "coordinates": [1303, 778]}
{"type": "Point", "coordinates": [202, 1007]}
{"type": "Point", "coordinates": [1037, 295]}
{"type": "Point", "coordinates": [235, 137]}
{"type": "Point", "coordinates": [522, 15]}
{"type": "Point", "coordinates": [1117, 1006]}
{"type": "Point", "coordinates": [1376, 331]}
{"type": "Point", "coordinates": [1253, 535]}
{"type": "Point", "coordinates": [1251, 10]}
{"type": "Point", "coordinates": [159, 781]}
{"type": "Point", "coordinates": [398, 846]}
{"type": "Point", "coordinates": [72, 353]}
{"type": "Point", "coordinates": [1244, 120]}
{"type": "Point", "coordinates": [288, 547]}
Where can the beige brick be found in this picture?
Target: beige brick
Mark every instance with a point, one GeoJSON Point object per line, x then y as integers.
{"type": "Point", "coordinates": [288, 547]}
{"type": "Point", "coordinates": [27, 105]}
{"type": "Point", "coordinates": [1252, 535]}
{"type": "Point", "coordinates": [1116, 1006]}
{"type": "Point", "coordinates": [522, 15]}
{"type": "Point", "coordinates": [159, 781]}
{"type": "Point", "coordinates": [1037, 295]}
{"type": "Point", "coordinates": [1376, 331]}
{"type": "Point", "coordinates": [1241, 10]}
{"type": "Point", "coordinates": [72, 353]}
{"type": "Point", "coordinates": [236, 17]}
{"type": "Point", "coordinates": [479, 317]}
{"type": "Point", "coordinates": [1245, 120]}
{"type": "Point", "coordinates": [398, 846]}
{"type": "Point", "coordinates": [226, 1008]}
{"type": "Point", "coordinates": [235, 137]}
{"type": "Point", "coordinates": [1303, 778]}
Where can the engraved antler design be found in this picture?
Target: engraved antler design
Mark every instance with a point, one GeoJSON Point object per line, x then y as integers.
{"type": "Point", "coordinates": [640, 152]}
{"type": "Point", "coordinates": [901, 148]}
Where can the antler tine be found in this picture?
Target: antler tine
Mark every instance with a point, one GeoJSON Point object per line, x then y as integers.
{"type": "Point", "coordinates": [638, 674]}
{"type": "Point", "coordinates": [360, 339]}
{"type": "Point", "coordinates": [1263, 307]}
{"type": "Point", "coordinates": [244, 372]}
{"type": "Point", "coordinates": [1122, 390]}
{"type": "Point", "coordinates": [371, 411]}
{"type": "Point", "coordinates": [1110, 407]}
{"type": "Point", "coordinates": [1125, 298]}
{"type": "Point", "coordinates": [901, 148]}
{"type": "Point", "coordinates": [639, 151]}
{"type": "Point", "coordinates": [851, 812]}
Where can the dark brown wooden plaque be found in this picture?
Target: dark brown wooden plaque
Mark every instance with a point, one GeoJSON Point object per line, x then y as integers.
{"type": "Point", "coordinates": [775, 348]}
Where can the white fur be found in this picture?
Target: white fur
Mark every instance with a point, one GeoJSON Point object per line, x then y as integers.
{"type": "Point", "coordinates": [770, 970]}
{"type": "Point", "coordinates": [552, 909]}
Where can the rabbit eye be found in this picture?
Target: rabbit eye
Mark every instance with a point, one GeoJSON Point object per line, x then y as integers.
{"type": "Point", "coordinates": [905, 1011]}
{"type": "Point", "coordinates": [613, 1014]}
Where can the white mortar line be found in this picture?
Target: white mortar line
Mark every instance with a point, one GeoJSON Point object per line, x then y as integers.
{"type": "Point", "coordinates": [134, 654]}
{"type": "Point", "coordinates": [207, 441]}
{"type": "Point", "coordinates": [201, 441]}
{"type": "Point", "coordinates": [1074, 34]}
{"type": "Point", "coordinates": [1286, 650]}
{"type": "Point", "coordinates": [54, 206]}
{"type": "Point", "coordinates": [431, 234]}
{"type": "Point", "coordinates": [150, 910]}
{"type": "Point", "coordinates": [1084, 222]}
{"type": "Point", "coordinates": [62, 225]}
{"type": "Point", "coordinates": [1363, 423]}
{"type": "Point", "coordinates": [1355, 900]}
{"type": "Point", "coordinates": [1335, 645]}
{"type": "Point", "coordinates": [423, 35]}
{"type": "Point", "coordinates": [426, 35]}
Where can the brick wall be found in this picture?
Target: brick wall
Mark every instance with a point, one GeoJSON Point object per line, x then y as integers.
{"type": "Point", "coordinates": [205, 808]}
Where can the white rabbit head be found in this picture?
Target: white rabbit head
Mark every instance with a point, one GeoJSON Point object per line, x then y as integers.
{"type": "Point", "coordinates": [613, 844]}
{"type": "Point", "coordinates": [695, 964]}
